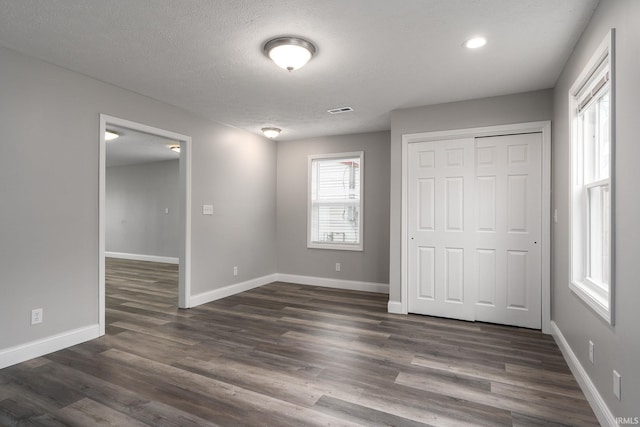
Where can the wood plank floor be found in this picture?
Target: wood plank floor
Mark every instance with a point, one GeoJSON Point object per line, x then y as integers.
{"type": "Point", "coordinates": [288, 355]}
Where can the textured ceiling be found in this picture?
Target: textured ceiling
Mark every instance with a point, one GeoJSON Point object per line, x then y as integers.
{"type": "Point", "coordinates": [373, 55]}
{"type": "Point", "coordinates": [133, 147]}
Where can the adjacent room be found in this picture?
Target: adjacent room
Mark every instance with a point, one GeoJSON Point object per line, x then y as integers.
{"type": "Point", "coordinates": [295, 213]}
{"type": "Point", "coordinates": [143, 235]}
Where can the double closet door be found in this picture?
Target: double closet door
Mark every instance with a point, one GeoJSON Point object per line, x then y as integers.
{"type": "Point", "coordinates": [474, 229]}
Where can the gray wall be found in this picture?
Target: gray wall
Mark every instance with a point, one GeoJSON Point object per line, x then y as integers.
{"type": "Point", "coordinates": [294, 257]}
{"type": "Point", "coordinates": [615, 347]}
{"type": "Point", "coordinates": [136, 199]}
{"type": "Point", "coordinates": [49, 118]}
{"type": "Point", "coordinates": [501, 110]}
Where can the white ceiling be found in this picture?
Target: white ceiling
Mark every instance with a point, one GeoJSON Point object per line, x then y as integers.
{"type": "Point", "coordinates": [374, 55]}
{"type": "Point", "coordinates": [133, 147]}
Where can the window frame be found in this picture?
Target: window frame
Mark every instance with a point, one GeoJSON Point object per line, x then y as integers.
{"type": "Point", "coordinates": [335, 246]}
{"type": "Point", "coordinates": [585, 92]}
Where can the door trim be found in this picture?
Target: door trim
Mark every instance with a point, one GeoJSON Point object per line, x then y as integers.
{"type": "Point", "coordinates": [184, 286]}
{"type": "Point", "coordinates": [543, 127]}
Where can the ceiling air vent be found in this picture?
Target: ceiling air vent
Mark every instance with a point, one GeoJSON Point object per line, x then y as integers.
{"type": "Point", "coordinates": [340, 110]}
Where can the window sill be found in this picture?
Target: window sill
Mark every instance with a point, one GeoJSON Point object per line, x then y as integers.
{"type": "Point", "coordinates": [594, 299]}
{"type": "Point", "coordinates": [335, 247]}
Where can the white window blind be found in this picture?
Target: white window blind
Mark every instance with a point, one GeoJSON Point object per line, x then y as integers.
{"type": "Point", "coordinates": [335, 201]}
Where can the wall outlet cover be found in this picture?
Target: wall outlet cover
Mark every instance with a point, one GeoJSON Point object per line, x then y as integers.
{"type": "Point", "coordinates": [36, 316]}
{"type": "Point", "coordinates": [617, 384]}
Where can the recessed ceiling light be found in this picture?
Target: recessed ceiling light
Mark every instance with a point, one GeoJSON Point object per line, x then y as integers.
{"type": "Point", "coordinates": [289, 53]}
{"type": "Point", "coordinates": [271, 132]}
{"type": "Point", "coordinates": [175, 148]}
{"type": "Point", "coordinates": [475, 42]}
{"type": "Point", "coordinates": [110, 135]}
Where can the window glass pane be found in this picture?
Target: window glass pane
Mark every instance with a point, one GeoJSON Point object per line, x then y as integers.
{"type": "Point", "coordinates": [599, 206]}
{"type": "Point", "coordinates": [603, 132]}
{"type": "Point", "coordinates": [336, 224]}
{"type": "Point", "coordinates": [594, 133]}
{"type": "Point", "coordinates": [588, 143]}
{"type": "Point", "coordinates": [337, 179]}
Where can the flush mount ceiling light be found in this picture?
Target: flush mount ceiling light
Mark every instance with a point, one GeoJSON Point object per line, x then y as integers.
{"type": "Point", "coordinates": [289, 53]}
{"type": "Point", "coordinates": [175, 148]}
{"type": "Point", "coordinates": [474, 42]}
{"type": "Point", "coordinates": [110, 135]}
{"type": "Point", "coordinates": [271, 132]}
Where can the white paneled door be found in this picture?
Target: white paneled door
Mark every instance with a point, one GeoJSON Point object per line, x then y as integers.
{"type": "Point", "coordinates": [440, 271]}
{"type": "Point", "coordinates": [474, 228]}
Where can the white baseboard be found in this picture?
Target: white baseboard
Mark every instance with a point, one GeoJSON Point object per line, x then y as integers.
{"type": "Point", "coordinates": [352, 285]}
{"type": "Point", "coordinates": [600, 408]}
{"type": "Point", "coordinates": [38, 348]}
{"type": "Point", "coordinates": [236, 288]}
{"type": "Point", "coordinates": [395, 307]}
{"type": "Point", "coordinates": [140, 257]}
{"type": "Point", "coordinates": [30, 350]}
{"type": "Point", "coordinates": [229, 290]}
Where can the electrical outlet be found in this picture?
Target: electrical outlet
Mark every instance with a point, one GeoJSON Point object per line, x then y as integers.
{"type": "Point", "coordinates": [617, 386]}
{"type": "Point", "coordinates": [591, 349]}
{"type": "Point", "coordinates": [235, 271]}
{"type": "Point", "coordinates": [36, 316]}
{"type": "Point", "coordinates": [338, 266]}
{"type": "Point", "coordinates": [207, 209]}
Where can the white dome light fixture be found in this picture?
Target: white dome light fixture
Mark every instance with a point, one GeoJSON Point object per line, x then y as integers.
{"type": "Point", "coordinates": [289, 53]}
{"type": "Point", "coordinates": [271, 132]}
{"type": "Point", "coordinates": [175, 148]}
{"type": "Point", "coordinates": [474, 42]}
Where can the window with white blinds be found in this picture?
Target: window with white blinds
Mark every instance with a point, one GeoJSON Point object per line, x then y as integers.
{"type": "Point", "coordinates": [591, 100]}
{"type": "Point", "coordinates": [335, 201]}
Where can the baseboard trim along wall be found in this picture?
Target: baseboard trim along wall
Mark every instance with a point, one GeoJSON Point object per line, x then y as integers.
{"type": "Point", "coordinates": [140, 257]}
{"type": "Point", "coordinates": [33, 349]}
{"type": "Point", "coordinates": [229, 290]}
{"type": "Point", "coordinates": [600, 408]}
{"type": "Point", "coordinates": [352, 285]}
{"type": "Point", "coordinates": [24, 352]}
{"type": "Point", "coordinates": [236, 288]}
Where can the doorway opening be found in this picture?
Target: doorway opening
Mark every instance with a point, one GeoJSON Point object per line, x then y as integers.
{"type": "Point", "coordinates": [139, 241]}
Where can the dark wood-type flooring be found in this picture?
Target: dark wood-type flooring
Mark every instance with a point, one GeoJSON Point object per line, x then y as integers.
{"type": "Point", "coordinates": [288, 355]}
